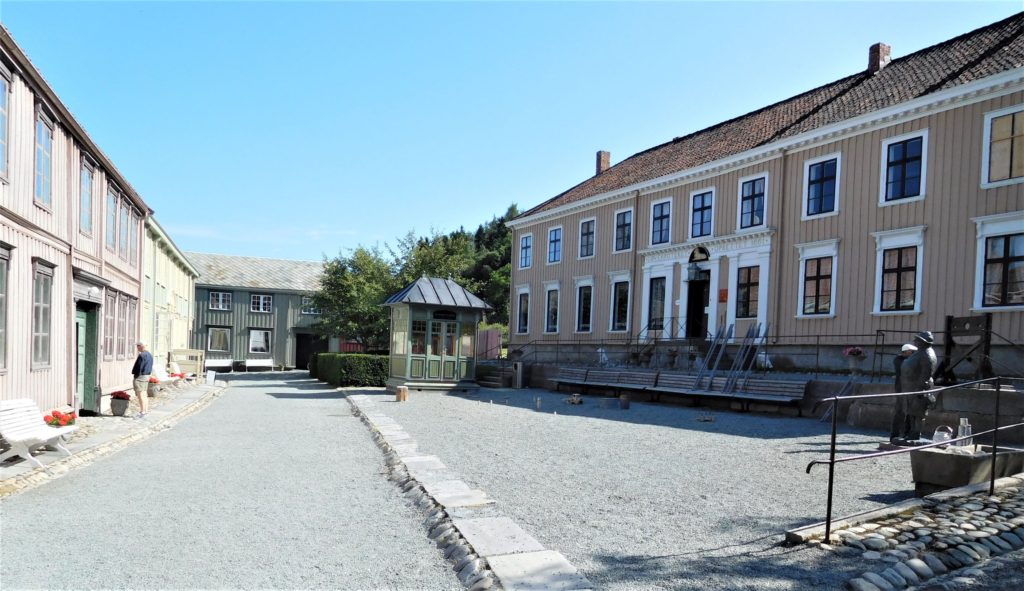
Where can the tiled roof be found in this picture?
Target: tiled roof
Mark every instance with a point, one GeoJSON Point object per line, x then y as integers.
{"type": "Point", "coordinates": [437, 292]}
{"type": "Point", "coordinates": [987, 51]}
{"type": "Point", "coordinates": [223, 270]}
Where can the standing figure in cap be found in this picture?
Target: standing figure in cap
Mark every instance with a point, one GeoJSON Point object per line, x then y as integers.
{"type": "Point", "coordinates": [140, 374]}
{"type": "Point", "coordinates": [900, 425]}
{"type": "Point", "coordinates": [916, 376]}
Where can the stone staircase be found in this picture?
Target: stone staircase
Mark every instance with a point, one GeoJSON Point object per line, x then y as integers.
{"type": "Point", "coordinates": [500, 379]}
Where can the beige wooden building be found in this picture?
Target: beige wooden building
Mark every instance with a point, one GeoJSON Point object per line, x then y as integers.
{"type": "Point", "coordinates": [882, 201]}
{"type": "Point", "coordinates": [70, 244]}
{"type": "Point", "coordinates": [168, 292]}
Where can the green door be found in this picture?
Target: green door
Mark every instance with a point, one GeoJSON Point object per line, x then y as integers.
{"type": "Point", "coordinates": [442, 352]}
{"type": "Point", "coordinates": [80, 331]}
{"type": "Point", "coordinates": [85, 365]}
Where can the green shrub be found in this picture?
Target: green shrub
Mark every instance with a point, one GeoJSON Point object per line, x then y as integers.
{"type": "Point", "coordinates": [351, 369]}
{"type": "Point", "coordinates": [312, 365]}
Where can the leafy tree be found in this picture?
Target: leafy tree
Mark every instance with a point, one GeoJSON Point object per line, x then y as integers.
{"type": "Point", "coordinates": [352, 289]}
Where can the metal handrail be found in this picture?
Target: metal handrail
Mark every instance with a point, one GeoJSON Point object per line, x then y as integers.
{"type": "Point", "coordinates": [832, 461]}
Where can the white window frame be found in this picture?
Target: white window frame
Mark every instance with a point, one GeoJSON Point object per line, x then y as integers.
{"type": "Point", "coordinates": [257, 301]}
{"type": "Point", "coordinates": [554, 286]}
{"type": "Point", "coordinates": [818, 250]}
{"type": "Point", "coordinates": [579, 282]}
{"type": "Point", "coordinates": [650, 240]}
{"type": "Point", "coordinates": [987, 227]}
{"type": "Point", "coordinates": [764, 206]}
{"type": "Point", "coordinates": [307, 308]}
{"type": "Point", "coordinates": [5, 289]}
{"type": "Point", "coordinates": [620, 277]}
{"type": "Point", "coordinates": [5, 114]}
{"type": "Point", "coordinates": [520, 290]}
{"type": "Point", "coordinates": [50, 124]}
{"type": "Point", "coordinates": [41, 330]}
{"type": "Point", "coordinates": [252, 333]}
{"type": "Point", "coordinates": [888, 240]}
{"type": "Point", "coordinates": [110, 218]}
{"type": "Point", "coordinates": [838, 157]}
{"type": "Point", "coordinates": [124, 220]}
{"type": "Point", "coordinates": [533, 250]}
{"type": "Point", "coordinates": [593, 249]}
{"type": "Point", "coordinates": [209, 339]}
{"type": "Point", "coordinates": [883, 171]}
{"type": "Point", "coordinates": [83, 212]}
{"type": "Point", "coordinates": [693, 195]}
{"type": "Point", "coordinates": [615, 230]}
{"type": "Point", "coordinates": [986, 147]}
{"type": "Point", "coordinates": [224, 301]}
{"type": "Point", "coordinates": [561, 245]}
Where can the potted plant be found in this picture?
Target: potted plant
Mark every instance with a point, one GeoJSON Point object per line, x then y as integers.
{"type": "Point", "coordinates": [119, 402]}
{"type": "Point", "coordinates": [59, 419]}
{"type": "Point", "coordinates": [854, 355]}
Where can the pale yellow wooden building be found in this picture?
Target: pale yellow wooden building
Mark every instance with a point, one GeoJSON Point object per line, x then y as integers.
{"type": "Point", "coordinates": [168, 292]}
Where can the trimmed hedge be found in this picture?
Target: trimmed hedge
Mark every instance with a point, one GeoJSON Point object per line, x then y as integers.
{"type": "Point", "coordinates": [352, 369]}
{"type": "Point", "coordinates": [312, 365]}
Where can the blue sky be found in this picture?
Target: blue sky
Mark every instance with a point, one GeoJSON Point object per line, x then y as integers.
{"type": "Point", "coordinates": [295, 130]}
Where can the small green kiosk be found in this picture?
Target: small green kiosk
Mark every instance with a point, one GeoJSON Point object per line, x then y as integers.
{"type": "Point", "coordinates": [433, 335]}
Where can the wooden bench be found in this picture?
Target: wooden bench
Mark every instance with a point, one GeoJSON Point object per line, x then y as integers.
{"type": "Point", "coordinates": [23, 428]}
{"type": "Point", "coordinates": [264, 363]}
{"type": "Point", "coordinates": [163, 378]}
{"type": "Point", "coordinates": [571, 376]}
{"type": "Point", "coordinates": [220, 364]}
{"type": "Point", "coordinates": [637, 380]}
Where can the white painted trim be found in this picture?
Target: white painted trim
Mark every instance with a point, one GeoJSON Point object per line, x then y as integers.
{"type": "Point", "coordinates": [986, 227]}
{"type": "Point", "coordinates": [579, 282]}
{"type": "Point", "coordinates": [561, 245]}
{"type": "Point", "coordinates": [521, 289]}
{"type": "Point", "coordinates": [817, 250]}
{"type": "Point", "coordinates": [533, 250]}
{"type": "Point", "coordinates": [986, 146]}
{"type": "Point", "coordinates": [549, 286]}
{"type": "Point", "coordinates": [650, 239]}
{"type": "Point", "coordinates": [632, 226]}
{"type": "Point", "coordinates": [714, 266]}
{"type": "Point", "coordinates": [689, 231]}
{"type": "Point", "coordinates": [987, 88]}
{"type": "Point", "coordinates": [620, 277]}
{"type": "Point", "coordinates": [764, 205]}
{"type": "Point", "coordinates": [883, 171]}
{"type": "Point", "coordinates": [655, 270]}
{"type": "Point", "coordinates": [579, 235]}
{"type": "Point", "coordinates": [890, 239]}
{"type": "Point", "coordinates": [838, 157]}
{"type": "Point", "coordinates": [762, 259]}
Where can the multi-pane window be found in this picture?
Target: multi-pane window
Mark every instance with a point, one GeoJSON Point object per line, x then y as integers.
{"type": "Point", "coordinates": [523, 323]}
{"type": "Point", "coordinates": [817, 286]}
{"type": "Point", "coordinates": [133, 306]}
{"type": "Point", "coordinates": [620, 305]}
{"type": "Point", "coordinates": [821, 187]}
{"type": "Point", "coordinates": [261, 303]}
{"type": "Point", "coordinates": [656, 304]}
{"type": "Point", "coordinates": [5, 262]}
{"type": "Point", "coordinates": [1006, 147]}
{"type": "Point", "coordinates": [42, 294]}
{"type": "Point", "coordinates": [220, 300]}
{"type": "Point", "coordinates": [85, 199]}
{"type": "Point", "coordinates": [899, 278]}
{"type": "Point", "coordinates": [111, 217]}
{"type": "Point", "coordinates": [551, 317]}
{"type": "Point", "coordinates": [123, 229]}
{"type": "Point", "coordinates": [122, 326]}
{"type": "Point", "coordinates": [554, 245]}
{"type": "Point", "coordinates": [752, 203]}
{"type": "Point", "coordinates": [584, 297]}
{"type": "Point", "coordinates": [218, 339]}
{"type": "Point", "coordinates": [587, 238]}
{"type": "Point", "coordinates": [44, 156]}
{"type": "Point", "coordinates": [109, 323]}
{"type": "Point", "coordinates": [660, 222]}
{"type": "Point", "coordinates": [903, 169]}
{"type": "Point", "coordinates": [133, 240]}
{"type": "Point", "coordinates": [308, 307]}
{"type": "Point", "coordinates": [5, 90]}
{"type": "Point", "coordinates": [700, 218]}
{"type": "Point", "coordinates": [259, 341]}
{"type": "Point", "coordinates": [747, 286]}
{"type": "Point", "coordinates": [1004, 271]}
{"type": "Point", "coordinates": [419, 337]}
{"type": "Point", "coordinates": [624, 230]}
{"type": "Point", "coordinates": [525, 252]}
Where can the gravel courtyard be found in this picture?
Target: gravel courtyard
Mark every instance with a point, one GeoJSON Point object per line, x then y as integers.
{"type": "Point", "coordinates": [656, 497]}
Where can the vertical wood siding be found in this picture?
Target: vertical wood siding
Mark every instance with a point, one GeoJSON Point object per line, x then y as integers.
{"type": "Point", "coordinates": [282, 322]}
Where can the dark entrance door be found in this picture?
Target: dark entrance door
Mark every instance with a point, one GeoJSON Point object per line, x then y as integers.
{"type": "Point", "coordinates": [305, 346]}
{"type": "Point", "coordinates": [697, 301]}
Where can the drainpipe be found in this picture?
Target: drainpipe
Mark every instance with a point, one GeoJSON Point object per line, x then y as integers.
{"type": "Point", "coordinates": [777, 263]}
{"type": "Point", "coordinates": [632, 274]}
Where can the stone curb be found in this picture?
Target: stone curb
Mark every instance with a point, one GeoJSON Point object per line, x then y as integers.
{"type": "Point", "coordinates": [815, 531]}
{"type": "Point", "coordinates": [62, 466]}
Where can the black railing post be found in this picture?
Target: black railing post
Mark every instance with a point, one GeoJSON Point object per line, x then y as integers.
{"type": "Point", "coordinates": [817, 355]}
{"type": "Point", "coordinates": [831, 472]}
{"type": "Point", "coordinates": [995, 442]}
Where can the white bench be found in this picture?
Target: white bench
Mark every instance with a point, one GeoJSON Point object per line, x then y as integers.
{"type": "Point", "coordinates": [220, 364]}
{"type": "Point", "coordinates": [268, 363]}
{"type": "Point", "coordinates": [164, 378]}
{"type": "Point", "coordinates": [23, 428]}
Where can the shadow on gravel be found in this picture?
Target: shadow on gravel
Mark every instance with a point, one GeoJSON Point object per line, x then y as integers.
{"type": "Point", "coordinates": [322, 395]}
{"type": "Point", "coordinates": [890, 497]}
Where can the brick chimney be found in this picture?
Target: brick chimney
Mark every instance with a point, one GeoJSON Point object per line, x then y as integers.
{"type": "Point", "coordinates": [878, 57]}
{"type": "Point", "coordinates": [604, 162]}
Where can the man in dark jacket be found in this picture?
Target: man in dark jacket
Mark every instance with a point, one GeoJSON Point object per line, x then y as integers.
{"type": "Point", "coordinates": [140, 374]}
{"type": "Point", "coordinates": [900, 425]}
{"type": "Point", "coordinates": [916, 376]}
